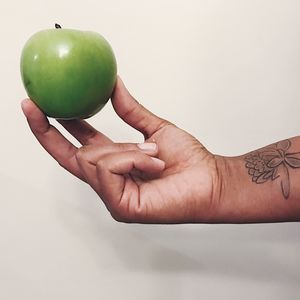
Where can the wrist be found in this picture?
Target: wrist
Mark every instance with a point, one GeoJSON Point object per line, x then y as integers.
{"type": "Point", "coordinates": [245, 200]}
{"type": "Point", "coordinates": [224, 190]}
{"type": "Point", "coordinates": [235, 203]}
{"type": "Point", "coordinates": [241, 200]}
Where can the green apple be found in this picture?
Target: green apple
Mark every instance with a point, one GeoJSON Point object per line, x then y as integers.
{"type": "Point", "coordinates": [68, 73]}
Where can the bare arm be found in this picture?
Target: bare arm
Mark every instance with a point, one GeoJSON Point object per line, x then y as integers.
{"type": "Point", "coordinates": [172, 177]}
{"type": "Point", "coordinates": [263, 185]}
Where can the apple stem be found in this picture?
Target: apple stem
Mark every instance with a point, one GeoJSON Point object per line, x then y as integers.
{"type": "Point", "coordinates": [57, 26]}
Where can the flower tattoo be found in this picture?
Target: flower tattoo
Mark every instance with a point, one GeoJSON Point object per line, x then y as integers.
{"type": "Point", "coordinates": [271, 163]}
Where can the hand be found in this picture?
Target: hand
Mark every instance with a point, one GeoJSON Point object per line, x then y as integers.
{"type": "Point", "coordinates": [171, 178]}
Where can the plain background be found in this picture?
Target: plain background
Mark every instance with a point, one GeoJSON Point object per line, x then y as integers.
{"type": "Point", "coordinates": [226, 71]}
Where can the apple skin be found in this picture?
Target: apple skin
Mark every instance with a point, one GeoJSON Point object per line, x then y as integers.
{"type": "Point", "coordinates": [68, 73]}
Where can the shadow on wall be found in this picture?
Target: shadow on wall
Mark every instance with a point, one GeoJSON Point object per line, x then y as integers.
{"type": "Point", "coordinates": [262, 252]}
{"type": "Point", "coordinates": [226, 250]}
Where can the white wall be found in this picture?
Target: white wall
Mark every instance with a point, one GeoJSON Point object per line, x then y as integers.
{"type": "Point", "coordinates": [226, 71]}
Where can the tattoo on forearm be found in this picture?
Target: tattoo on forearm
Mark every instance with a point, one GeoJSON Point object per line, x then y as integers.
{"type": "Point", "coordinates": [271, 163]}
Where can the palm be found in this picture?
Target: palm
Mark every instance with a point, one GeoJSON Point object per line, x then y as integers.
{"type": "Point", "coordinates": [182, 190]}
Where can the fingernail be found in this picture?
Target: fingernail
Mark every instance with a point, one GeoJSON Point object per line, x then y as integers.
{"type": "Point", "coordinates": [159, 162]}
{"type": "Point", "coordinates": [147, 146]}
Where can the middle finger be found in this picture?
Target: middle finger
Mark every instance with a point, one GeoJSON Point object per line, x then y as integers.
{"type": "Point", "coordinates": [84, 133]}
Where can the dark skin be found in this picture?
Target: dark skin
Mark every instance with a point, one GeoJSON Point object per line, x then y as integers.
{"type": "Point", "coordinates": [170, 178]}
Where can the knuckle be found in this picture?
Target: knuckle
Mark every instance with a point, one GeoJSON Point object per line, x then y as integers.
{"type": "Point", "coordinates": [126, 147]}
{"type": "Point", "coordinates": [137, 154]}
{"type": "Point", "coordinates": [101, 165]}
{"type": "Point", "coordinates": [81, 152]}
{"type": "Point", "coordinates": [91, 136]}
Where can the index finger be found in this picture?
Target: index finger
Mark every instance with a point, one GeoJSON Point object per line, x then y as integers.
{"type": "Point", "coordinates": [62, 150]}
{"type": "Point", "coordinates": [84, 133]}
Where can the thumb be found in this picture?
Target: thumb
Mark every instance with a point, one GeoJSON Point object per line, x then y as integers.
{"type": "Point", "coordinates": [134, 113]}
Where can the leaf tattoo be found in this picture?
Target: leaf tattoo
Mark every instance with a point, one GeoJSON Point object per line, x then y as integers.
{"type": "Point", "coordinates": [271, 163]}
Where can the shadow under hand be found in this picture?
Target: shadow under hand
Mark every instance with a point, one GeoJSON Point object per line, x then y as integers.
{"type": "Point", "coordinates": [244, 251]}
{"type": "Point", "coordinates": [265, 252]}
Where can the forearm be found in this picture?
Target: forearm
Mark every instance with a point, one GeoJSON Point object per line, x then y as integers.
{"type": "Point", "coordinates": [263, 185]}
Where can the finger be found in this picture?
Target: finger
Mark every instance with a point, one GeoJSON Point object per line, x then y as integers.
{"type": "Point", "coordinates": [92, 153]}
{"type": "Point", "coordinates": [89, 155]}
{"type": "Point", "coordinates": [124, 162]}
{"type": "Point", "coordinates": [134, 113]}
{"type": "Point", "coordinates": [51, 139]}
{"type": "Point", "coordinates": [112, 168]}
{"type": "Point", "coordinates": [84, 132]}
{"type": "Point", "coordinates": [88, 170]}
